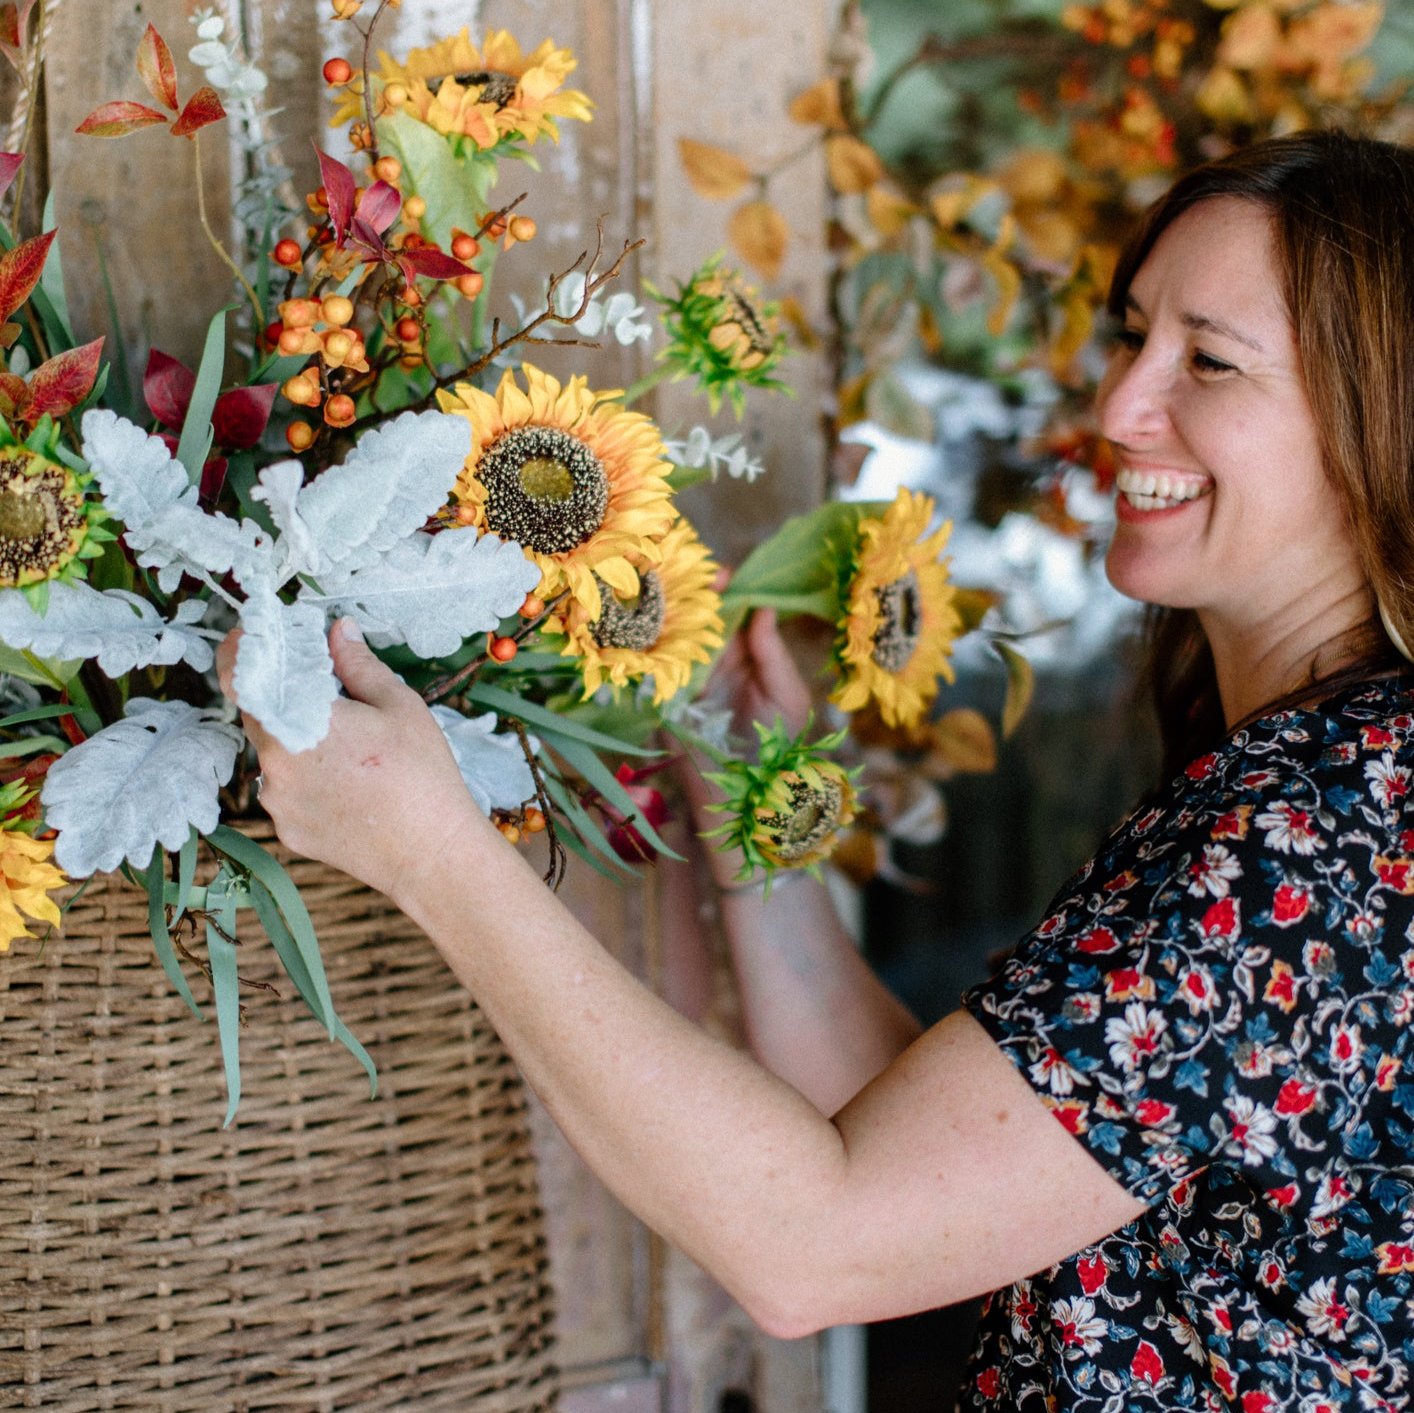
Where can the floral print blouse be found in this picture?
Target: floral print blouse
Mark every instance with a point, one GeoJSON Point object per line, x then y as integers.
{"type": "Point", "coordinates": [1218, 1005]}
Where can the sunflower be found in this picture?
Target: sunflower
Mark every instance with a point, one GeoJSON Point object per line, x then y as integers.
{"type": "Point", "coordinates": [47, 524]}
{"type": "Point", "coordinates": [722, 335]}
{"type": "Point", "coordinates": [488, 95]}
{"type": "Point", "coordinates": [670, 624]}
{"type": "Point", "coordinates": [786, 810]}
{"type": "Point", "coordinates": [900, 621]}
{"type": "Point", "coordinates": [26, 875]}
{"type": "Point", "coordinates": [579, 482]}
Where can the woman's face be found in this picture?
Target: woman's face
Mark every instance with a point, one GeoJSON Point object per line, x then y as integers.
{"type": "Point", "coordinates": [1221, 501]}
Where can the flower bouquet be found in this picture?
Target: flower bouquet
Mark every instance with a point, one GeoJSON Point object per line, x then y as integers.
{"type": "Point", "coordinates": [508, 541]}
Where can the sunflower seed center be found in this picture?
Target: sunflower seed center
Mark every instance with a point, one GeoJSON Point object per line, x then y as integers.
{"type": "Point", "coordinates": [545, 489]}
{"type": "Point", "coordinates": [900, 618]}
{"type": "Point", "coordinates": [496, 87]}
{"type": "Point", "coordinates": [812, 816]}
{"type": "Point", "coordinates": [41, 515]}
{"type": "Point", "coordinates": [21, 516]}
{"type": "Point", "coordinates": [636, 624]}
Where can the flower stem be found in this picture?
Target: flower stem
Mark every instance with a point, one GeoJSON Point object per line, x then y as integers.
{"type": "Point", "coordinates": [646, 383]}
{"type": "Point", "coordinates": [215, 242]}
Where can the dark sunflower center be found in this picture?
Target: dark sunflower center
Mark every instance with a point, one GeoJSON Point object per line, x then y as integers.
{"type": "Point", "coordinates": [41, 515]}
{"type": "Point", "coordinates": [744, 312]}
{"type": "Point", "coordinates": [811, 817]}
{"type": "Point", "coordinates": [636, 625]}
{"type": "Point", "coordinates": [544, 489]}
{"type": "Point", "coordinates": [900, 618]}
{"type": "Point", "coordinates": [496, 87]}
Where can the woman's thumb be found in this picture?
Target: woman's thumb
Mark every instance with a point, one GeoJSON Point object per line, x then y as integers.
{"type": "Point", "coordinates": [365, 678]}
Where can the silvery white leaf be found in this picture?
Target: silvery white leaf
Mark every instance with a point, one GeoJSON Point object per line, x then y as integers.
{"type": "Point", "coordinates": [138, 476]}
{"type": "Point", "coordinates": [279, 487]}
{"type": "Point", "coordinates": [284, 675]}
{"type": "Point", "coordinates": [432, 592]}
{"type": "Point", "coordinates": [494, 767]}
{"type": "Point", "coordinates": [145, 780]}
{"type": "Point", "coordinates": [391, 482]}
{"type": "Point", "coordinates": [120, 629]}
{"type": "Point", "coordinates": [185, 538]}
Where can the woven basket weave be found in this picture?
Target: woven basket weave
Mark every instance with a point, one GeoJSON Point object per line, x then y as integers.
{"type": "Point", "coordinates": [325, 1252]}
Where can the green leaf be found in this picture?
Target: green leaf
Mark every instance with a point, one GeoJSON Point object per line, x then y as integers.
{"type": "Point", "coordinates": [889, 403]}
{"type": "Point", "coordinates": [457, 190]}
{"type": "Point", "coordinates": [583, 760]}
{"type": "Point", "coordinates": [51, 282]}
{"type": "Point", "coordinates": [585, 838]}
{"type": "Point", "coordinates": [38, 671]}
{"type": "Point", "coordinates": [282, 940]}
{"type": "Point", "coordinates": [221, 957]}
{"type": "Point", "coordinates": [196, 430]}
{"type": "Point", "coordinates": [31, 744]}
{"type": "Point", "coordinates": [122, 401]}
{"type": "Point", "coordinates": [41, 713]}
{"type": "Point", "coordinates": [801, 562]}
{"type": "Point", "coordinates": [265, 867]}
{"type": "Point", "coordinates": [186, 872]}
{"type": "Point", "coordinates": [1020, 685]}
{"type": "Point", "coordinates": [549, 723]}
{"type": "Point", "coordinates": [157, 925]}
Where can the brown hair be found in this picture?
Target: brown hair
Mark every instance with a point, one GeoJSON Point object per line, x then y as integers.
{"type": "Point", "coordinates": [1342, 213]}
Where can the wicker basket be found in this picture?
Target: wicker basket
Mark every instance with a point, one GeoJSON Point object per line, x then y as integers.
{"type": "Point", "coordinates": [325, 1252]}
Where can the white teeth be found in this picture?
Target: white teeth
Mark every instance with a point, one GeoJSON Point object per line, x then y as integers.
{"type": "Point", "coordinates": [1148, 490]}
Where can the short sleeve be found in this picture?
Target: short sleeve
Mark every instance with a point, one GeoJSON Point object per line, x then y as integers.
{"type": "Point", "coordinates": [1215, 987]}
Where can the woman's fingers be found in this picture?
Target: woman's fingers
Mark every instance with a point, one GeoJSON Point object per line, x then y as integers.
{"type": "Point", "coordinates": [365, 677]}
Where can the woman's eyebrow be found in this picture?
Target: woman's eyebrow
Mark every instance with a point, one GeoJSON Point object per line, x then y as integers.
{"type": "Point", "coordinates": [1204, 323]}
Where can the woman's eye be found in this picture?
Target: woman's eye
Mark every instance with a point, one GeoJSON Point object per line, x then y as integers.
{"type": "Point", "coordinates": [1206, 363]}
{"type": "Point", "coordinates": [1131, 339]}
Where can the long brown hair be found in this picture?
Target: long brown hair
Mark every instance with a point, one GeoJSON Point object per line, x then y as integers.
{"type": "Point", "coordinates": [1342, 213]}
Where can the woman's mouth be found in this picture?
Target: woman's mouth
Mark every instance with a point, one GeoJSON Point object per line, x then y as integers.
{"type": "Point", "coordinates": [1159, 490]}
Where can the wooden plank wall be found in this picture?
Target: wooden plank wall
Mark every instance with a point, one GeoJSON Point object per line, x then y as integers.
{"type": "Point", "coordinates": [640, 1327]}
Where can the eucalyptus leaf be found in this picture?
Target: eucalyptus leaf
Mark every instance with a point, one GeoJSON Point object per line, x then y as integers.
{"type": "Point", "coordinates": [148, 779]}
{"type": "Point", "coordinates": [195, 441]}
{"type": "Point", "coordinates": [161, 937]}
{"type": "Point", "coordinates": [1020, 685]}
{"type": "Point", "coordinates": [284, 676]}
{"type": "Point", "coordinates": [225, 982]}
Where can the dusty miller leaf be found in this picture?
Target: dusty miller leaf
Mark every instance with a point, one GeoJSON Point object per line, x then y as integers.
{"type": "Point", "coordinates": [121, 630]}
{"type": "Point", "coordinates": [284, 675]}
{"type": "Point", "coordinates": [138, 476]}
{"type": "Point", "coordinates": [494, 767]}
{"type": "Point", "coordinates": [279, 487]}
{"type": "Point", "coordinates": [148, 779]}
{"type": "Point", "coordinates": [384, 491]}
{"type": "Point", "coordinates": [432, 592]}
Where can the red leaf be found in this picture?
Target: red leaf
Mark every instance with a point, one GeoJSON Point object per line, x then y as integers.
{"type": "Point", "coordinates": [434, 264]}
{"type": "Point", "coordinates": [213, 477]}
{"type": "Point", "coordinates": [156, 69]}
{"type": "Point", "coordinates": [202, 107]}
{"type": "Point", "coordinates": [118, 119]}
{"type": "Point", "coordinates": [20, 269]}
{"type": "Point", "coordinates": [339, 187]}
{"type": "Point", "coordinates": [10, 36]}
{"type": "Point", "coordinates": [167, 388]}
{"type": "Point", "coordinates": [361, 233]}
{"type": "Point", "coordinates": [13, 394]}
{"type": "Point", "coordinates": [60, 383]}
{"type": "Point", "coordinates": [9, 165]}
{"type": "Point", "coordinates": [240, 416]}
{"type": "Point", "coordinates": [379, 205]}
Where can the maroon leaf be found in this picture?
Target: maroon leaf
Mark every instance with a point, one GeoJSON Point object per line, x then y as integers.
{"type": "Point", "coordinates": [118, 119]}
{"type": "Point", "coordinates": [156, 69]}
{"type": "Point", "coordinates": [202, 107]}
{"type": "Point", "coordinates": [213, 477]}
{"type": "Point", "coordinates": [9, 165]}
{"type": "Point", "coordinates": [60, 383]}
{"type": "Point", "coordinates": [20, 269]}
{"type": "Point", "coordinates": [434, 264]}
{"type": "Point", "coordinates": [13, 394]}
{"type": "Point", "coordinates": [379, 205]}
{"type": "Point", "coordinates": [339, 187]}
{"type": "Point", "coordinates": [240, 416]}
{"type": "Point", "coordinates": [361, 233]}
{"type": "Point", "coordinates": [167, 387]}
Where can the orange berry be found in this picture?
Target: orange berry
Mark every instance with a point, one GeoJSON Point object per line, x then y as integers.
{"type": "Point", "coordinates": [412, 240]}
{"type": "Point", "coordinates": [466, 515]}
{"type": "Point", "coordinates": [502, 649]}
{"type": "Point", "coordinates": [337, 346]}
{"type": "Point", "coordinates": [298, 391]}
{"type": "Point", "coordinates": [511, 833]}
{"type": "Point", "coordinates": [291, 341]}
{"type": "Point", "coordinates": [339, 411]}
{"type": "Point", "coordinates": [318, 199]}
{"type": "Point", "coordinates": [534, 820]}
{"type": "Point", "coordinates": [494, 226]}
{"type": "Point", "coordinates": [533, 606]}
{"type": "Point", "coordinates": [347, 9]}
{"type": "Point", "coordinates": [337, 72]}
{"type": "Point", "coordinates": [410, 295]}
{"type": "Point", "coordinates": [414, 208]}
{"type": "Point", "coordinates": [299, 313]}
{"type": "Point", "coordinates": [387, 169]}
{"type": "Point", "coordinates": [300, 436]}
{"type": "Point", "coordinates": [522, 228]}
{"type": "Point", "coordinates": [287, 253]}
{"type": "Point", "coordinates": [360, 138]}
{"type": "Point", "coordinates": [470, 284]}
{"type": "Point", "coordinates": [337, 309]}
{"type": "Point", "coordinates": [409, 361]}
{"type": "Point", "coordinates": [408, 329]}
{"type": "Point", "coordinates": [395, 95]}
{"type": "Point", "coordinates": [465, 247]}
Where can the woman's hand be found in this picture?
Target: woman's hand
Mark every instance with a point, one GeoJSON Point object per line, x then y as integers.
{"type": "Point", "coordinates": [380, 796]}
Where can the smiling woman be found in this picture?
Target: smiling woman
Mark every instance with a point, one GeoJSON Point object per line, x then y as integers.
{"type": "Point", "coordinates": [1170, 1135]}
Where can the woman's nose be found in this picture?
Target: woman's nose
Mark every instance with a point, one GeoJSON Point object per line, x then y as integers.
{"type": "Point", "coordinates": [1132, 403]}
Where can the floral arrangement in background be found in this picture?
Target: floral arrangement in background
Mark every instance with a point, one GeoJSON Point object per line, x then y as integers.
{"type": "Point", "coordinates": [508, 541]}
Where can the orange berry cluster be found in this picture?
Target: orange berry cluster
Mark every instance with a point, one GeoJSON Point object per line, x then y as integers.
{"type": "Point", "coordinates": [322, 328]}
{"type": "Point", "coordinates": [517, 826]}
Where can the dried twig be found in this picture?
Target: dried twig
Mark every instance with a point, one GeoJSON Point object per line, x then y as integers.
{"type": "Point", "coordinates": [559, 856]}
